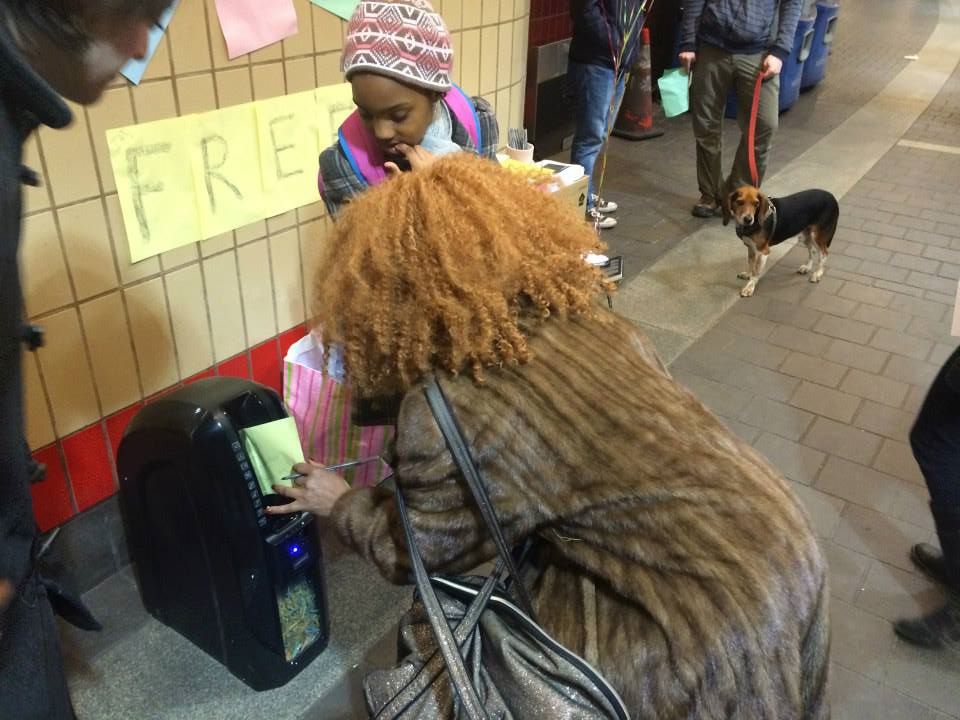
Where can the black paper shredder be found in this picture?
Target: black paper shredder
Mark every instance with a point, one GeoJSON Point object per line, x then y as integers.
{"type": "Point", "coordinates": [246, 587]}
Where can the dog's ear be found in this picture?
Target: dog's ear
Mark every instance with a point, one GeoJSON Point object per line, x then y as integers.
{"type": "Point", "coordinates": [726, 205]}
{"type": "Point", "coordinates": [764, 205]}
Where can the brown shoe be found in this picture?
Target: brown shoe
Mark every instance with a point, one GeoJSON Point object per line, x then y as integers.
{"type": "Point", "coordinates": [706, 207]}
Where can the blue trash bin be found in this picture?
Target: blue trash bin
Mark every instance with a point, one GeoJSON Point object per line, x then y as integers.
{"type": "Point", "coordinates": [823, 32]}
{"type": "Point", "coordinates": [792, 72]}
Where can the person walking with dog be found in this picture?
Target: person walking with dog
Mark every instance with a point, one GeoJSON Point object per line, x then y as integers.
{"type": "Point", "coordinates": [726, 44]}
{"type": "Point", "coordinates": [48, 48]}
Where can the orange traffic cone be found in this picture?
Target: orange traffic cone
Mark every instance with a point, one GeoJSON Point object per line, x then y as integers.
{"type": "Point", "coordinates": [635, 121]}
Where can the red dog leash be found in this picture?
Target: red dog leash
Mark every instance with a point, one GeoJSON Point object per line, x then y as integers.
{"type": "Point", "coordinates": [752, 131]}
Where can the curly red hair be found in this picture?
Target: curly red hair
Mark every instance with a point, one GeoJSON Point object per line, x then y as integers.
{"type": "Point", "coordinates": [444, 268]}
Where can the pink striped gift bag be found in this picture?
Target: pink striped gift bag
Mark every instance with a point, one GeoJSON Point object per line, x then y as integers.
{"type": "Point", "coordinates": [319, 399]}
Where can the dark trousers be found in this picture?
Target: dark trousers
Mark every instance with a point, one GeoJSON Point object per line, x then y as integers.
{"type": "Point", "coordinates": [32, 682]}
{"type": "Point", "coordinates": [935, 439]}
{"type": "Point", "coordinates": [715, 72]}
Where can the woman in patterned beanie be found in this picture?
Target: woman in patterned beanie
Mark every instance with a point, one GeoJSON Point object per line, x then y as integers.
{"type": "Point", "coordinates": [398, 57]}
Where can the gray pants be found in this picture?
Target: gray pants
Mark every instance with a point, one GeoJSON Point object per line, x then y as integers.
{"type": "Point", "coordinates": [714, 73]}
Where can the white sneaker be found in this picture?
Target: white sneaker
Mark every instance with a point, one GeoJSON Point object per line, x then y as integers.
{"type": "Point", "coordinates": [604, 206]}
{"type": "Point", "coordinates": [603, 222]}
{"type": "Point", "coordinates": [596, 260]}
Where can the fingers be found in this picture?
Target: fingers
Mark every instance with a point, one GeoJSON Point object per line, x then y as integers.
{"type": "Point", "coordinates": [295, 506]}
{"type": "Point", "coordinates": [304, 468]}
{"type": "Point", "coordinates": [295, 493]}
{"type": "Point", "coordinates": [391, 168]}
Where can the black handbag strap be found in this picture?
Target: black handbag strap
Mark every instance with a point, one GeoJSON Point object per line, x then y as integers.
{"type": "Point", "coordinates": [471, 473]}
{"type": "Point", "coordinates": [459, 677]}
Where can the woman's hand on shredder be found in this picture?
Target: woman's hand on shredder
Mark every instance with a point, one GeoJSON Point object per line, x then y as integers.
{"type": "Point", "coordinates": [316, 491]}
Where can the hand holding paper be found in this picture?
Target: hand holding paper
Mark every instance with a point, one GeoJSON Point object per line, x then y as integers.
{"type": "Point", "coordinates": [315, 491]}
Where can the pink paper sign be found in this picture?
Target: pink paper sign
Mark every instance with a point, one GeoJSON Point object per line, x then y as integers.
{"type": "Point", "coordinates": [249, 25]}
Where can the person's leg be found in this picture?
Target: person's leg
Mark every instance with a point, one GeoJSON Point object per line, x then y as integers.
{"type": "Point", "coordinates": [768, 119]}
{"type": "Point", "coordinates": [712, 78]}
{"type": "Point", "coordinates": [32, 680]}
{"type": "Point", "coordinates": [935, 440]}
{"type": "Point", "coordinates": [592, 87]}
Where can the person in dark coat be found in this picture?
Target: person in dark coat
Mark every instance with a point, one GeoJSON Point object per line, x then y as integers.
{"type": "Point", "coordinates": [935, 440]}
{"type": "Point", "coordinates": [602, 52]}
{"type": "Point", "coordinates": [48, 49]}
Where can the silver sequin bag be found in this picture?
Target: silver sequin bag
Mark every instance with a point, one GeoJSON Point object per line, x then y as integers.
{"type": "Point", "coordinates": [472, 652]}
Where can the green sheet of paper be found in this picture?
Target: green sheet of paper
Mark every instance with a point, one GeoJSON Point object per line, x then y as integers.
{"type": "Point", "coordinates": [340, 8]}
{"type": "Point", "coordinates": [272, 449]}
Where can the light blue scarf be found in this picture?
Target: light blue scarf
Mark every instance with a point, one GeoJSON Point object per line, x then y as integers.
{"type": "Point", "coordinates": [439, 136]}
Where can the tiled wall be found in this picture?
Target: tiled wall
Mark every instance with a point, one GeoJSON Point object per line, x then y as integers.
{"type": "Point", "coordinates": [549, 21]}
{"type": "Point", "coordinates": [120, 333]}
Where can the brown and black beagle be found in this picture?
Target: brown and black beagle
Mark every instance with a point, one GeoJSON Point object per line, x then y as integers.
{"type": "Point", "coordinates": [763, 222]}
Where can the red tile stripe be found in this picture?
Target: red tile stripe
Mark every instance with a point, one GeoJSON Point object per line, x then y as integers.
{"type": "Point", "coordinates": [52, 503]}
{"type": "Point", "coordinates": [88, 466]}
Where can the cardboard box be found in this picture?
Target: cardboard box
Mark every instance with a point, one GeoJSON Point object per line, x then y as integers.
{"type": "Point", "coordinates": [574, 195]}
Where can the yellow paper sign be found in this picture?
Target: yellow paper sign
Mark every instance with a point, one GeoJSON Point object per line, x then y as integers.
{"type": "Point", "coordinates": [228, 194]}
{"type": "Point", "coordinates": [334, 105]}
{"type": "Point", "coordinates": [194, 177]}
{"type": "Point", "coordinates": [289, 151]}
{"type": "Point", "coordinates": [151, 163]}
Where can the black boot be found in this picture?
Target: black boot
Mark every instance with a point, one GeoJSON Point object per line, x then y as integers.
{"type": "Point", "coordinates": [937, 630]}
{"type": "Point", "coordinates": [941, 628]}
{"type": "Point", "coordinates": [929, 561]}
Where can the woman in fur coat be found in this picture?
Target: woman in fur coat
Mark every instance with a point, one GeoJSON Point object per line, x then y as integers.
{"type": "Point", "coordinates": [671, 556]}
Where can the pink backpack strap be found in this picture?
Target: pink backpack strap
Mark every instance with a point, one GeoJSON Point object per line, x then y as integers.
{"type": "Point", "coordinates": [465, 111]}
{"type": "Point", "coordinates": [363, 153]}
{"type": "Point", "coordinates": [361, 149]}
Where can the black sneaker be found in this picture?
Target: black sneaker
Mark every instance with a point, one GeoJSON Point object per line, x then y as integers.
{"type": "Point", "coordinates": [600, 221]}
{"type": "Point", "coordinates": [602, 205]}
{"type": "Point", "coordinates": [929, 560]}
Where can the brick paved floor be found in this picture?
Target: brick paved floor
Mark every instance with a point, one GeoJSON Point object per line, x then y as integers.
{"type": "Point", "coordinates": [826, 380]}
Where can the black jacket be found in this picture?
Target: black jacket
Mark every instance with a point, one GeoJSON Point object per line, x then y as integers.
{"type": "Point", "coordinates": [598, 33]}
{"type": "Point", "coordinates": [27, 101]}
{"type": "Point", "coordinates": [32, 683]}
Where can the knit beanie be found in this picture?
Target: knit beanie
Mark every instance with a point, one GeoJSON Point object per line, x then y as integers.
{"type": "Point", "coordinates": [406, 40]}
